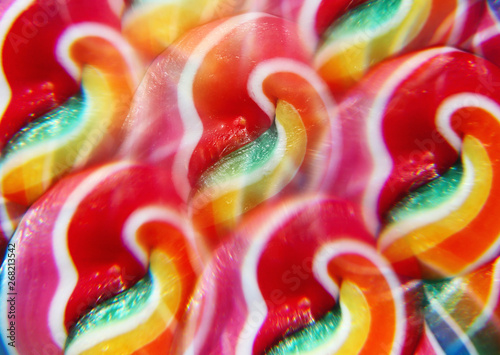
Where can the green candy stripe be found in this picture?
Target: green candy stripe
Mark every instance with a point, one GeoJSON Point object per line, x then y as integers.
{"type": "Point", "coordinates": [249, 158]}
{"type": "Point", "coordinates": [365, 18]}
{"type": "Point", "coordinates": [311, 337]}
{"type": "Point", "coordinates": [446, 291]}
{"type": "Point", "coordinates": [428, 196]}
{"type": "Point", "coordinates": [59, 122]}
{"type": "Point", "coordinates": [120, 307]}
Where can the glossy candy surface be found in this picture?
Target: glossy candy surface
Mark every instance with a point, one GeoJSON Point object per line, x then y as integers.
{"type": "Point", "coordinates": [285, 271]}
{"type": "Point", "coordinates": [415, 138]}
{"type": "Point", "coordinates": [33, 29]}
{"type": "Point", "coordinates": [249, 177]}
{"type": "Point", "coordinates": [231, 147]}
{"type": "Point", "coordinates": [66, 265]}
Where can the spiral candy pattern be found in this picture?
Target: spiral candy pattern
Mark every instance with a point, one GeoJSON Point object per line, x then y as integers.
{"type": "Point", "coordinates": [32, 29]}
{"type": "Point", "coordinates": [295, 129]}
{"type": "Point", "coordinates": [151, 26]}
{"type": "Point", "coordinates": [81, 131]}
{"type": "Point", "coordinates": [288, 271]}
{"type": "Point", "coordinates": [249, 177]}
{"type": "Point", "coordinates": [146, 231]}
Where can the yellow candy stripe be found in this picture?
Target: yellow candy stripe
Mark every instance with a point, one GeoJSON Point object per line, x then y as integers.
{"type": "Point", "coordinates": [28, 172]}
{"type": "Point", "coordinates": [151, 28]}
{"type": "Point", "coordinates": [461, 233]}
{"type": "Point", "coordinates": [222, 198]}
{"type": "Point", "coordinates": [423, 242]}
{"type": "Point", "coordinates": [355, 303]}
{"type": "Point", "coordinates": [371, 299]}
{"type": "Point", "coordinates": [354, 47]}
{"type": "Point", "coordinates": [159, 315]}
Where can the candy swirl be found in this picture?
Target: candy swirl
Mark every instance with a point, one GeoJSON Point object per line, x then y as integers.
{"type": "Point", "coordinates": [234, 145]}
{"type": "Point", "coordinates": [284, 273]}
{"type": "Point", "coordinates": [410, 131]}
{"type": "Point", "coordinates": [110, 269]}
{"type": "Point", "coordinates": [82, 131]}
{"type": "Point", "coordinates": [33, 81]}
{"type": "Point", "coordinates": [312, 17]}
{"type": "Point", "coordinates": [232, 206]}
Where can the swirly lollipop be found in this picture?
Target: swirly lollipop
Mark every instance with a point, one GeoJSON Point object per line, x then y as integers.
{"type": "Point", "coordinates": [83, 130]}
{"type": "Point", "coordinates": [110, 268]}
{"type": "Point", "coordinates": [299, 283]}
{"type": "Point", "coordinates": [33, 79]}
{"type": "Point", "coordinates": [236, 138]}
{"type": "Point", "coordinates": [415, 125]}
{"type": "Point", "coordinates": [380, 29]}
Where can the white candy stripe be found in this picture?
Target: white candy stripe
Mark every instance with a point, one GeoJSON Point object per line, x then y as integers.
{"type": "Point", "coordinates": [157, 155]}
{"type": "Point", "coordinates": [307, 23]}
{"type": "Point", "coordinates": [68, 275]}
{"type": "Point", "coordinates": [433, 341]}
{"type": "Point", "coordinates": [117, 7]}
{"type": "Point", "coordinates": [47, 146]}
{"type": "Point", "coordinates": [486, 34]}
{"type": "Point", "coordinates": [443, 122]}
{"type": "Point", "coordinates": [459, 101]}
{"type": "Point", "coordinates": [156, 214]}
{"type": "Point", "coordinates": [433, 214]}
{"type": "Point", "coordinates": [240, 182]}
{"type": "Point", "coordinates": [114, 329]}
{"type": "Point", "coordinates": [285, 65]}
{"type": "Point", "coordinates": [254, 5]}
{"type": "Point", "coordinates": [41, 149]}
{"type": "Point", "coordinates": [335, 249]}
{"type": "Point", "coordinates": [201, 323]}
{"type": "Point", "coordinates": [382, 163]}
{"type": "Point", "coordinates": [141, 122]}
{"type": "Point", "coordinates": [320, 271]}
{"type": "Point", "coordinates": [436, 306]}
{"type": "Point", "coordinates": [463, 7]}
{"type": "Point", "coordinates": [6, 21]}
{"type": "Point", "coordinates": [6, 223]}
{"type": "Point", "coordinates": [490, 304]}
{"type": "Point", "coordinates": [94, 29]}
{"type": "Point", "coordinates": [189, 115]}
{"type": "Point", "coordinates": [249, 283]}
